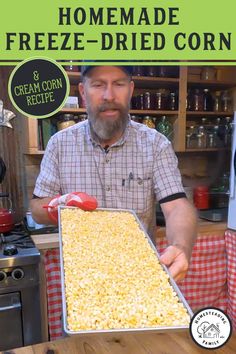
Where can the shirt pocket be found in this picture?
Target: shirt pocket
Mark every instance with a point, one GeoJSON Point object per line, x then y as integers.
{"type": "Point", "coordinates": [137, 193]}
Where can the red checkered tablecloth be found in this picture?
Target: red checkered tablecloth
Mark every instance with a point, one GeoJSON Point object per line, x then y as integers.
{"type": "Point", "coordinates": [230, 240]}
{"type": "Point", "coordinates": [205, 284]}
{"type": "Point", "coordinates": [206, 281]}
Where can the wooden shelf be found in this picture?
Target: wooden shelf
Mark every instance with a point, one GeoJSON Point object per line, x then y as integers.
{"type": "Point", "coordinates": [140, 81]}
{"type": "Point", "coordinates": [74, 77]}
{"type": "Point", "coordinates": [72, 110]}
{"type": "Point", "coordinates": [154, 82]}
{"type": "Point", "coordinates": [206, 113]}
{"type": "Point", "coordinates": [187, 78]}
{"type": "Point", "coordinates": [132, 111]}
{"type": "Point", "coordinates": [211, 83]}
{"type": "Point", "coordinates": [151, 112]}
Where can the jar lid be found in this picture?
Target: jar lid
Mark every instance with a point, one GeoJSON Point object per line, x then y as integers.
{"type": "Point", "coordinates": [66, 117]}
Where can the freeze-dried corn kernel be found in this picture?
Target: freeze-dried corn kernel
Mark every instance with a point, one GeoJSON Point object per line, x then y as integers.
{"type": "Point", "coordinates": [113, 278]}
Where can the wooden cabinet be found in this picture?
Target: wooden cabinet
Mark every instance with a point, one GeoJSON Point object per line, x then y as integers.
{"type": "Point", "coordinates": [189, 77]}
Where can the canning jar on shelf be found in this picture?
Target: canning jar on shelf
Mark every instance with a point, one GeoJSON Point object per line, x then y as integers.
{"type": "Point", "coordinates": [197, 100]}
{"type": "Point", "coordinates": [165, 127]}
{"type": "Point", "coordinates": [226, 101]}
{"type": "Point", "coordinates": [65, 120]}
{"type": "Point", "coordinates": [149, 122]}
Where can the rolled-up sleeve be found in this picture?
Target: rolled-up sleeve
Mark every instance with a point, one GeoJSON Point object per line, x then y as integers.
{"type": "Point", "coordinates": [167, 177]}
{"type": "Point", "coordinates": [48, 182]}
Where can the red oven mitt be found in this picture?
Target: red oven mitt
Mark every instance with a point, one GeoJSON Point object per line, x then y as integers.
{"type": "Point", "coordinates": [77, 199]}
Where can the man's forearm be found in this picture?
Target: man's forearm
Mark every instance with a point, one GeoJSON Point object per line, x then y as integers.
{"type": "Point", "coordinates": [181, 226]}
{"type": "Point", "coordinates": [40, 214]}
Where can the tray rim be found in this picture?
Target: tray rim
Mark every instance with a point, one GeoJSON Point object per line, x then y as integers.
{"type": "Point", "coordinates": [158, 329]}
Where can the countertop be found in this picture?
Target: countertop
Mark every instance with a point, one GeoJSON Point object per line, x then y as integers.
{"type": "Point", "coordinates": [148, 343]}
{"type": "Point", "coordinates": [47, 241]}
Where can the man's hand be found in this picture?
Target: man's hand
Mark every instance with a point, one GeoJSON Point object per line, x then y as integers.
{"type": "Point", "coordinates": [176, 260]}
{"type": "Point", "coordinates": [78, 199]}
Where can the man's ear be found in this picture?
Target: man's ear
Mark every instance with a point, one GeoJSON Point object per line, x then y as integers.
{"type": "Point", "coordinates": [81, 90]}
{"type": "Point", "coordinates": [131, 88]}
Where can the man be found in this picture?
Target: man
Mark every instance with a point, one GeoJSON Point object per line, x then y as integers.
{"type": "Point", "coordinates": [122, 163]}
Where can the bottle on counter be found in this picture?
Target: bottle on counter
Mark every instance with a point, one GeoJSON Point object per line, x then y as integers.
{"type": "Point", "coordinates": [201, 197]}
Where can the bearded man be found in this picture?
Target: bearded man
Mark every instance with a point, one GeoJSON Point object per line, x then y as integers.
{"type": "Point", "coordinates": [123, 164]}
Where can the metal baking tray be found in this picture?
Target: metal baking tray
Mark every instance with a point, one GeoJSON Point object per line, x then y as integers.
{"type": "Point", "coordinates": [119, 330]}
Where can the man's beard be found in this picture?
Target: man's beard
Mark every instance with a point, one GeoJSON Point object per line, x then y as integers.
{"type": "Point", "coordinates": [104, 128]}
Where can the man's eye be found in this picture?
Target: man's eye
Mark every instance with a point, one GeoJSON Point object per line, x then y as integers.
{"type": "Point", "coordinates": [120, 84]}
{"type": "Point", "coordinates": [97, 84]}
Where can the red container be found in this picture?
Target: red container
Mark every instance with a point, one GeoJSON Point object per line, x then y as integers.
{"type": "Point", "coordinates": [201, 197]}
{"type": "Point", "coordinates": [6, 220]}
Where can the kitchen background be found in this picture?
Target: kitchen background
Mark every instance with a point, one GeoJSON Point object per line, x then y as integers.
{"type": "Point", "coordinates": [193, 106]}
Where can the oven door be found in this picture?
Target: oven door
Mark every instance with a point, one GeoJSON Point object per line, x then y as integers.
{"type": "Point", "coordinates": [10, 321]}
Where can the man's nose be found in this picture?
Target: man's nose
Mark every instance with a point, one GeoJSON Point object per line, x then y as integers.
{"type": "Point", "coordinates": [108, 94]}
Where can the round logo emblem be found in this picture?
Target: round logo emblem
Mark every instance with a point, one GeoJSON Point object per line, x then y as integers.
{"type": "Point", "coordinates": [210, 328]}
{"type": "Point", "coordinates": [38, 87]}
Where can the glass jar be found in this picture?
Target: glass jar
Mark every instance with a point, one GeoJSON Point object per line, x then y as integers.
{"type": "Point", "coordinates": [151, 71]}
{"type": "Point", "coordinates": [228, 131]}
{"type": "Point", "coordinates": [189, 100]}
{"type": "Point", "coordinates": [208, 73]}
{"type": "Point", "coordinates": [210, 140]}
{"type": "Point", "coordinates": [172, 101]}
{"type": "Point", "coordinates": [138, 70]}
{"type": "Point", "coordinates": [137, 119]}
{"type": "Point", "coordinates": [160, 100]}
{"type": "Point", "coordinates": [202, 137]}
{"type": "Point", "coordinates": [65, 121]}
{"type": "Point", "coordinates": [149, 122]}
{"type": "Point", "coordinates": [148, 101]}
{"type": "Point", "coordinates": [140, 101]}
{"type": "Point", "coordinates": [207, 100]}
{"type": "Point", "coordinates": [226, 101]}
{"type": "Point", "coordinates": [188, 140]}
{"type": "Point", "coordinates": [197, 100]}
{"type": "Point", "coordinates": [217, 101]}
{"type": "Point", "coordinates": [165, 127]}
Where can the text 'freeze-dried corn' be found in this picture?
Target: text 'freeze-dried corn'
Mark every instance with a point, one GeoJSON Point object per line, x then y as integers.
{"type": "Point", "coordinates": [113, 278]}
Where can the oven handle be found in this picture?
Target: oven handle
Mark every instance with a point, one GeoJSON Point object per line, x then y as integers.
{"type": "Point", "coordinates": [12, 307]}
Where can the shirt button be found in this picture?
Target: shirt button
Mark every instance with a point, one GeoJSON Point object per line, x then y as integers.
{"type": "Point", "coordinates": [107, 160]}
{"type": "Point", "coordinates": [108, 189]}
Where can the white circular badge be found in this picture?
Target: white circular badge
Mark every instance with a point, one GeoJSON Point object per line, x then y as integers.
{"type": "Point", "coordinates": [210, 328]}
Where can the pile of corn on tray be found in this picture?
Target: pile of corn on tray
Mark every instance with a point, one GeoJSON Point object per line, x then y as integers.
{"type": "Point", "coordinates": [111, 275]}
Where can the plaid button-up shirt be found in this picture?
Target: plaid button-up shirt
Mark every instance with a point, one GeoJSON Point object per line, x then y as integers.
{"type": "Point", "coordinates": [135, 172]}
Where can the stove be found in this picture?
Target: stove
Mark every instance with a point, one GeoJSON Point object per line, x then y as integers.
{"type": "Point", "coordinates": [20, 312]}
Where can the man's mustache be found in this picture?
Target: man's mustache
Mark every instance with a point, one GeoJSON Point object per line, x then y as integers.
{"type": "Point", "coordinates": [109, 106]}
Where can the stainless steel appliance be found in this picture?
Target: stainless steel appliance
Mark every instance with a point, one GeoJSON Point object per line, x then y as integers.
{"type": "Point", "coordinates": [232, 196]}
{"type": "Point", "coordinates": [20, 317]}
